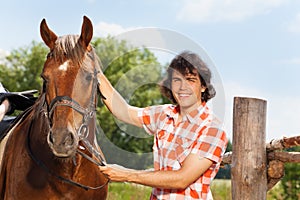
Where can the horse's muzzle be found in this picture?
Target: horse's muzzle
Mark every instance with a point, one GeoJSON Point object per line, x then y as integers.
{"type": "Point", "coordinates": [63, 142]}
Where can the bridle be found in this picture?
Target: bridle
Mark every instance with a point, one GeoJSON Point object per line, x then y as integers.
{"type": "Point", "coordinates": [87, 113]}
{"type": "Point", "coordinates": [82, 132]}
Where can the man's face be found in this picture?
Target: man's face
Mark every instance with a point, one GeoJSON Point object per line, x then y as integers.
{"type": "Point", "coordinates": [187, 90]}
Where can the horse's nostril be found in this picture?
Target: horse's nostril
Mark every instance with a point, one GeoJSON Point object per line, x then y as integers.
{"type": "Point", "coordinates": [50, 138]}
{"type": "Point", "coordinates": [69, 140]}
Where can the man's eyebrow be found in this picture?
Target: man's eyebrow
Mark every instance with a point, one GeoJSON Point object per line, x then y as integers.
{"type": "Point", "coordinates": [191, 76]}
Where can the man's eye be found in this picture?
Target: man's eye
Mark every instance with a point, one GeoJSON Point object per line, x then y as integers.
{"type": "Point", "coordinates": [191, 80]}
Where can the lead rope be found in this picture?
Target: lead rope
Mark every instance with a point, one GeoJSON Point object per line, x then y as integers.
{"type": "Point", "coordinates": [93, 151]}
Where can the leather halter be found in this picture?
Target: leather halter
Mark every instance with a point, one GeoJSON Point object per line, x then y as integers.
{"type": "Point", "coordinates": [83, 131]}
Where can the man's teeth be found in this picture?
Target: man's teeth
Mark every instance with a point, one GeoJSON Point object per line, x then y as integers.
{"type": "Point", "coordinates": [184, 95]}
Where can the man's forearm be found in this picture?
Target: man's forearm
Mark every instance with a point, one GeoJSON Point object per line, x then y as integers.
{"type": "Point", "coordinates": [159, 179]}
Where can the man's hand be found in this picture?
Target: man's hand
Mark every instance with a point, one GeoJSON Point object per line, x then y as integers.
{"type": "Point", "coordinates": [115, 172]}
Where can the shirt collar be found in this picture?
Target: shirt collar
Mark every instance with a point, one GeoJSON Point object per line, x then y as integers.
{"type": "Point", "coordinates": [201, 112]}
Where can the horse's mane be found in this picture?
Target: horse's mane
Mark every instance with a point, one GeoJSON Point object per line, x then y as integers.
{"type": "Point", "coordinates": [68, 46]}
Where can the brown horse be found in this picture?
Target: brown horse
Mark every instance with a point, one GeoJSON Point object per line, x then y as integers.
{"type": "Point", "coordinates": [51, 152]}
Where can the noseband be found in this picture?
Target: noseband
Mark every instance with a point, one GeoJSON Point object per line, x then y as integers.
{"type": "Point", "coordinates": [82, 132]}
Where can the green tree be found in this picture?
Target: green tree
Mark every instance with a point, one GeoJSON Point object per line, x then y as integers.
{"type": "Point", "coordinates": [22, 68]}
{"type": "Point", "coordinates": [291, 180]}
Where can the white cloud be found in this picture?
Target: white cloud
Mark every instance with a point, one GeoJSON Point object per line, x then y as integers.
{"type": "Point", "coordinates": [294, 25]}
{"type": "Point", "coordinates": [282, 111]}
{"type": "Point", "coordinates": [283, 117]}
{"type": "Point", "coordinates": [226, 10]}
{"type": "Point", "coordinates": [104, 29]}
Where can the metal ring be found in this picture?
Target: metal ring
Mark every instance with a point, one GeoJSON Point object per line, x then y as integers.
{"type": "Point", "coordinates": [83, 131]}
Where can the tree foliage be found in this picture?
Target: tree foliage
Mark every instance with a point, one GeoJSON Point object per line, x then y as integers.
{"type": "Point", "coordinates": [22, 68]}
{"type": "Point", "coordinates": [291, 179]}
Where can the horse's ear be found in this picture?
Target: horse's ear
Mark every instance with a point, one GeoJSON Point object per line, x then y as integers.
{"type": "Point", "coordinates": [86, 32]}
{"type": "Point", "coordinates": [47, 35]}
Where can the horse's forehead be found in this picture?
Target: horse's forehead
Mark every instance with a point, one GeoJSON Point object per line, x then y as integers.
{"type": "Point", "coordinates": [68, 56]}
{"type": "Point", "coordinates": [61, 69]}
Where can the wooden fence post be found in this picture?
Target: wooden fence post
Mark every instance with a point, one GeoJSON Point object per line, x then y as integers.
{"type": "Point", "coordinates": [249, 159]}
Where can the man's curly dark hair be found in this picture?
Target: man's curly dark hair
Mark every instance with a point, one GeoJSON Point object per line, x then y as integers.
{"type": "Point", "coordinates": [185, 63]}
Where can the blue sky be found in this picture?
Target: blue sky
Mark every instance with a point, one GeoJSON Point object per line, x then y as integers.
{"type": "Point", "coordinates": [254, 44]}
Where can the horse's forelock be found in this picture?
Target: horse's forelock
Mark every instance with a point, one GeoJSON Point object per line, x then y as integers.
{"type": "Point", "coordinates": [69, 46]}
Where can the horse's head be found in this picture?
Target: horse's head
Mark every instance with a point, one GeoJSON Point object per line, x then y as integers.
{"type": "Point", "coordinates": [70, 87]}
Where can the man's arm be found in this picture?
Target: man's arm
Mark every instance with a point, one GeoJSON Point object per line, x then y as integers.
{"type": "Point", "coordinates": [116, 103]}
{"type": "Point", "coordinates": [192, 168]}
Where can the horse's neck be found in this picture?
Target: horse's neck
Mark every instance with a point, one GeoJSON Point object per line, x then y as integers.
{"type": "Point", "coordinates": [4, 141]}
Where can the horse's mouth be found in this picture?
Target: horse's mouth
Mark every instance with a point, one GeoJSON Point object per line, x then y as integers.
{"type": "Point", "coordinates": [63, 148]}
{"type": "Point", "coordinates": [66, 152]}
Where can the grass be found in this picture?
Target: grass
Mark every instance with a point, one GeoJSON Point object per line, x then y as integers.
{"type": "Point", "coordinates": [221, 190]}
{"type": "Point", "coordinates": [128, 191]}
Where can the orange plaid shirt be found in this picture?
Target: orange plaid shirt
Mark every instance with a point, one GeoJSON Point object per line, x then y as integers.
{"type": "Point", "coordinates": [173, 143]}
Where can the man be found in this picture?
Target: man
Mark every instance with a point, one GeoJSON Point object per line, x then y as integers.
{"type": "Point", "coordinates": [188, 140]}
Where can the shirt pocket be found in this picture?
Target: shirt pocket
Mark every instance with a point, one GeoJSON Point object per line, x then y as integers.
{"type": "Point", "coordinates": [184, 146]}
{"type": "Point", "coordinates": [163, 134]}
{"type": "Point", "coordinates": [187, 139]}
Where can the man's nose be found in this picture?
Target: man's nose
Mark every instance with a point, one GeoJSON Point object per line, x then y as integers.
{"type": "Point", "coordinates": [184, 85]}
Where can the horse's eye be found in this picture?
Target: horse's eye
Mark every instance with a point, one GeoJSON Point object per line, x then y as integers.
{"type": "Point", "coordinates": [50, 55]}
{"type": "Point", "coordinates": [89, 77]}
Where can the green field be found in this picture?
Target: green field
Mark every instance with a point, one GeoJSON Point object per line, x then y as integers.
{"type": "Point", "coordinates": [221, 190]}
